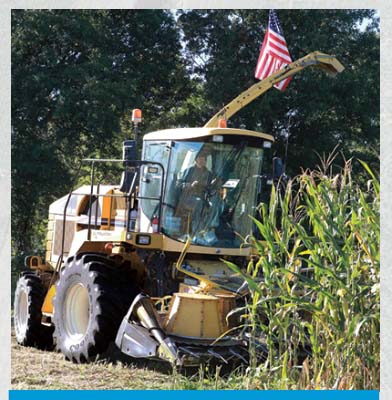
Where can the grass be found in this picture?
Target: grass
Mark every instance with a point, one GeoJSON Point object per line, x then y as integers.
{"type": "Point", "coordinates": [35, 369]}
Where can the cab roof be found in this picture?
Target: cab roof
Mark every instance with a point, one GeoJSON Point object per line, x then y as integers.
{"type": "Point", "coordinates": [193, 133]}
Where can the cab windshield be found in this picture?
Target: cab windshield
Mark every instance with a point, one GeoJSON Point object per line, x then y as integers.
{"type": "Point", "coordinates": [211, 192]}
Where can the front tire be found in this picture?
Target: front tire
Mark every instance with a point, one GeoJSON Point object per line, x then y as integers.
{"type": "Point", "coordinates": [29, 297]}
{"type": "Point", "coordinates": [91, 299]}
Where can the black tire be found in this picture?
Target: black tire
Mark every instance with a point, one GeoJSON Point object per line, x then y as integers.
{"type": "Point", "coordinates": [29, 297]}
{"type": "Point", "coordinates": [92, 297]}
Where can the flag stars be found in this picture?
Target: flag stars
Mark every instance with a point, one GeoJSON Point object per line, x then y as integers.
{"type": "Point", "coordinates": [274, 23]}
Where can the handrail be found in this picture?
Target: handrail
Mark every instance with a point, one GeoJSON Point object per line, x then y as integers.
{"type": "Point", "coordinates": [131, 163]}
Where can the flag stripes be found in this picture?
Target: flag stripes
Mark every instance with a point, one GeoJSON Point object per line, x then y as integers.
{"type": "Point", "coordinates": [274, 54]}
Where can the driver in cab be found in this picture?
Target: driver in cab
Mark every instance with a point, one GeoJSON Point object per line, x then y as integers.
{"type": "Point", "coordinates": [193, 186]}
{"type": "Point", "coordinates": [197, 177]}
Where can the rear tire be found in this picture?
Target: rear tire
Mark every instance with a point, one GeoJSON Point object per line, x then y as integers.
{"type": "Point", "coordinates": [91, 299]}
{"type": "Point", "coordinates": [29, 297]}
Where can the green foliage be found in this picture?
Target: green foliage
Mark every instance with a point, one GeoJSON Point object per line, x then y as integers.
{"type": "Point", "coordinates": [222, 47]}
{"type": "Point", "coordinates": [320, 262]}
{"type": "Point", "coordinates": [76, 74]}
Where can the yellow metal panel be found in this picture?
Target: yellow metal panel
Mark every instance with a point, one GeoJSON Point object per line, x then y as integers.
{"type": "Point", "coordinates": [193, 133]}
{"type": "Point", "coordinates": [49, 245]}
{"type": "Point", "coordinates": [208, 313]}
{"type": "Point", "coordinates": [169, 244]}
{"type": "Point", "coordinates": [47, 307]}
{"type": "Point", "coordinates": [156, 239]}
{"type": "Point", "coordinates": [106, 236]}
{"type": "Point", "coordinates": [160, 241]}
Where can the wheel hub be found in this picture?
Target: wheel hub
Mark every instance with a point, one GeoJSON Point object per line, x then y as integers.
{"type": "Point", "coordinates": [22, 313]}
{"type": "Point", "coordinates": [76, 312]}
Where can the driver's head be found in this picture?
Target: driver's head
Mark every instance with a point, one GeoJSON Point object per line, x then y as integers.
{"type": "Point", "coordinates": [201, 160]}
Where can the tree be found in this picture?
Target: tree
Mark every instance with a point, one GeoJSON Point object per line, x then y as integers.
{"type": "Point", "coordinates": [320, 111]}
{"type": "Point", "coordinates": [76, 74]}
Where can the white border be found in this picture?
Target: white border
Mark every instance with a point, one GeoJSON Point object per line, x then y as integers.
{"type": "Point", "coordinates": [386, 146]}
{"type": "Point", "coordinates": [5, 209]}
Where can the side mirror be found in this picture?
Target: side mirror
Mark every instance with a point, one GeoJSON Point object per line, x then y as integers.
{"type": "Point", "coordinates": [277, 168]}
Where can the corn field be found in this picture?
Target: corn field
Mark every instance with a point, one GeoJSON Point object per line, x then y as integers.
{"type": "Point", "coordinates": [317, 306]}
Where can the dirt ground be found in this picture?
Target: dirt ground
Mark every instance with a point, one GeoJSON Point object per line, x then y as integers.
{"type": "Point", "coordinates": [35, 369]}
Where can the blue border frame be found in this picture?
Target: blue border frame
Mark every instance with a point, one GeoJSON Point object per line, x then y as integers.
{"type": "Point", "coordinates": [194, 394]}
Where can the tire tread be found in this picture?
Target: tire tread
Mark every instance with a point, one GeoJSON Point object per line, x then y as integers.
{"type": "Point", "coordinates": [104, 281]}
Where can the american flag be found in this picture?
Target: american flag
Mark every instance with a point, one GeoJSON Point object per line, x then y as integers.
{"type": "Point", "coordinates": [274, 54]}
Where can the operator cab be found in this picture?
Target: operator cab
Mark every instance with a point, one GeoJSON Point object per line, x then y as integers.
{"type": "Point", "coordinates": [210, 181]}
